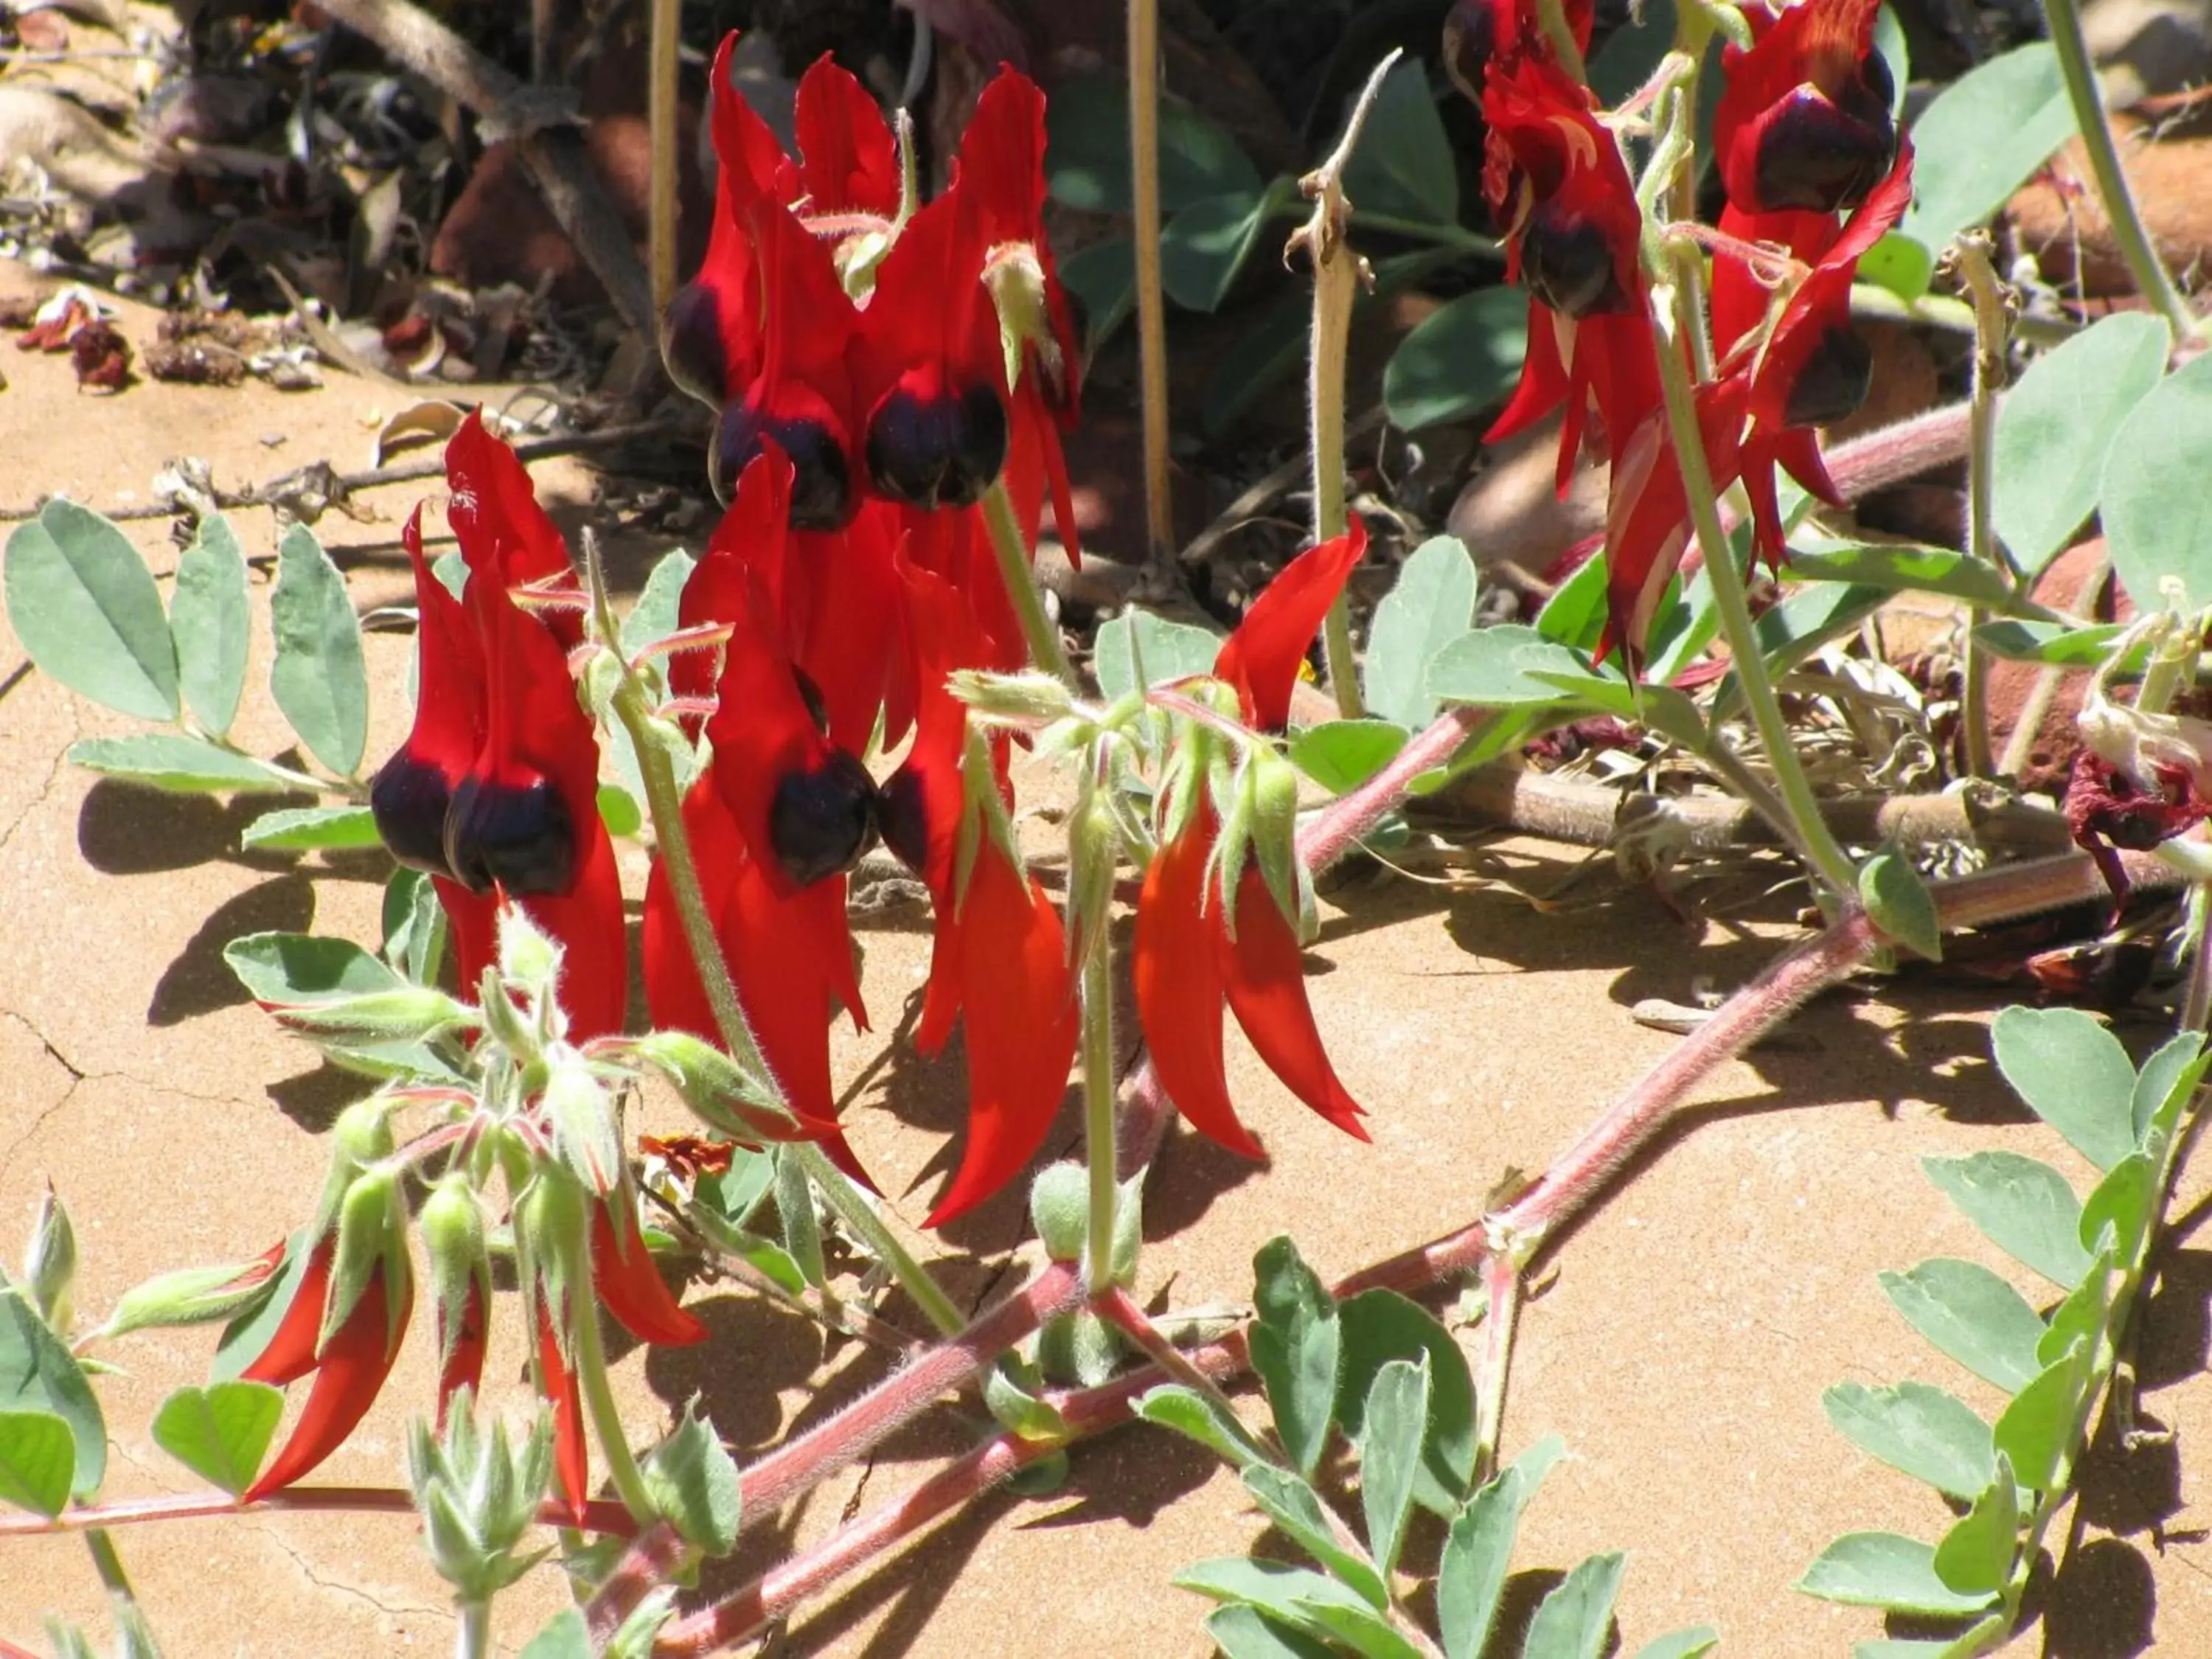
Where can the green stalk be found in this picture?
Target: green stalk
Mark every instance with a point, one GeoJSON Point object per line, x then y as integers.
{"type": "Point", "coordinates": [1804, 825]}
{"type": "Point", "coordinates": [860, 1219]}
{"type": "Point", "coordinates": [1972, 251]}
{"type": "Point", "coordinates": [1151, 298]}
{"type": "Point", "coordinates": [1099, 1112]}
{"type": "Point", "coordinates": [1037, 629]}
{"type": "Point", "coordinates": [1335, 279]}
{"type": "Point", "coordinates": [472, 1637]}
{"type": "Point", "coordinates": [2144, 264]}
{"type": "Point", "coordinates": [599, 1399]}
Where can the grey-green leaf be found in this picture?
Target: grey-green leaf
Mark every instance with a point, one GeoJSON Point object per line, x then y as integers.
{"type": "Point", "coordinates": [655, 615]}
{"type": "Point", "coordinates": [1341, 755]}
{"type": "Point", "coordinates": [1883, 1569]}
{"type": "Point", "coordinates": [1573, 1620]}
{"type": "Point", "coordinates": [2123, 1202]}
{"type": "Point", "coordinates": [1295, 1345]}
{"type": "Point", "coordinates": [304, 967]}
{"type": "Point", "coordinates": [1457, 361]}
{"type": "Point", "coordinates": [1204, 247]}
{"type": "Point", "coordinates": [1244, 1633]}
{"type": "Point", "coordinates": [1981, 138]}
{"type": "Point", "coordinates": [319, 679]}
{"type": "Point", "coordinates": [1975, 1556]}
{"type": "Point", "coordinates": [2056, 426]}
{"type": "Point", "coordinates": [1681, 1643]}
{"type": "Point", "coordinates": [1430, 605]}
{"type": "Point", "coordinates": [313, 829]}
{"type": "Point", "coordinates": [564, 1635]}
{"type": "Point", "coordinates": [38, 1457]}
{"type": "Point", "coordinates": [1478, 1551]}
{"type": "Point", "coordinates": [220, 1432]}
{"type": "Point", "coordinates": [2023, 1206]}
{"type": "Point", "coordinates": [2036, 1431]}
{"type": "Point", "coordinates": [1169, 651]}
{"type": "Point", "coordinates": [2069, 1068]}
{"type": "Point", "coordinates": [182, 764]}
{"type": "Point", "coordinates": [1294, 1507]}
{"type": "Point", "coordinates": [1971, 1315]}
{"type": "Point", "coordinates": [84, 605]}
{"type": "Point", "coordinates": [39, 1374]}
{"type": "Point", "coordinates": [1380, 1326]}
{"type": "Point", "coordinates": [1921, 1431]}
{"type": "Point", "coordinates": [2164, 1084]}
{"type": "Point", "coordinates": [692, 1480]}
{"type": "Point", "coordinates": [1199, 1418]}
{"type": "Point", "coordinates": [209, 623]}
{"type": "Point", "coordinates": [1397, 1420]}
{"type": "Point", "coordinates": [1899, 903]}
{"type": "Point", "coordinates": [1291, 1594]}
{"type": "Point", "coordinates": [2157, 490]}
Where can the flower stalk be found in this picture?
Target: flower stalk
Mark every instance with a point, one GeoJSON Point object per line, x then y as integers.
{"type": "Point", "coordinates": [1038, 628]}
{"type": "Point", "coordinates": [1099, 1115]}
{"type": "Point", "coordinates": [1972, 253]}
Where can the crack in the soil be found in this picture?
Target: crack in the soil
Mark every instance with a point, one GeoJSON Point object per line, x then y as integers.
{"type": "Point", "coordinates": [414, 1609]}
{"type": "Point", "coordinates": [53, 777]}
{"type": "Point", "coordinates": [78, 1078]}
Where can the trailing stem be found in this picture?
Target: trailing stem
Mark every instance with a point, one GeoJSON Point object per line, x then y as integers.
{"type": "Point", "coordinates": [1972, 253]}
{"type": "Point", "coordinates": [1151, 298]}
{"type": "Point", "coordinates": [2111, 180]}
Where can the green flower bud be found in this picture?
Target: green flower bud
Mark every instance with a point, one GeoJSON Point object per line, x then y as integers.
{"type": "Point", "coordinates": [50, 1263]}
{"type": "Point", "coordinates": [527, 957]}
{"type": "Point", "coordinates": [580, 1110]}
{"type": "Point", "coordinates": [1060, 1208]}
{"type": "Point", "coordinates": [372, 1234]}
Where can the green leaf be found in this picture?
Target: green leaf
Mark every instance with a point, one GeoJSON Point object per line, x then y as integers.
{"type": "Point", "coordinates": [1964, 1646]}
{"type": "Point", "coordinates": [37, 1455]}
{"type": "Point", "coordinates": [209, 624]}
{"type": "Point", "coordinates": [2074, 1073]}
{"type": "Point", "coordinates": [1921, 1431]}
{"type": "Point", "coordinates": [1975, 1556]}
{"type": "Point", "coordinates": [1681, 1643]}
{"type": "Point", "coordinates": [1295, 1345]}
{"type": "Point", "coordinates": [39, 1374]}
{"type": "Point", "coordinates": [619, 810]}
{"type": "Point", "coordinates": [655, 615]}
{"type": "Point", "coordinates": [1512, 666]}
{"type": "Point", "coordinates": [1431, 604]}
{"type": "Point", "coordinates": [1882, 1570]}
{"type": "Point", "coordinates": [1573, 1620]}
{"type": "Point", "coordinates": [1575, 614]}
{"type": "Point", "coordinates": [306, 829]}
{"type": "Point", "coordinates": [1358, 1627]}
{"type": "Point", "coordinates": [2163, 1086]}
{"type": "Point", "coordinates": [306, 968]}
{"type": "Point", "coordinates": [1397, 1420]}
{"type": "Point", "coordinates": [1899, 904]}
{"type": "Point", "coordinates": [1200, 1417]}
{"type": "Point", "coordinates": [1904, 570]}
{"type": "Point", "coordinates": [1982, 138]}
{"type": "Point", "coordinates": [1242, 1632]}
{"type": "Point", "coordinates": [1478, 1550]}
{"type": "Point", "coordinates": [1457, 361]}
{"type": "Point", "coordinates": [1380, 1326]}
{"type": "Point", "coordinates": [2157, 490]}
{"type": "Point", "coordinates": [1294, 1595]}
{"type": "Point", "coordinates": [1402, 164]}
{"type": "Point", "coordinates": [184, 765]}
{"type": "Point", "coordinates": [1102, 277]}
{"type": "Point", "coordinates": [1169, 651]}
{"type": "Point", "coordinates": [2055, 644]}
{"type": "Point", "coordinates": [1086, 159]}
{"type": "Point", "coordinates": [2122, 1201]}
{"type": "Point", "coordinates": [1898, 263]}
{"type": "Point", "coordinates": [2036, 1431]}
{"type": "Point", "coordinates": [564, 1635]}
{"type": "Point", "coordinates": [1972, 1315]}
{"type": "Point", "coordinates": [1341, 755]}
{"type": "Point", "coordinates": [1294, 1507]}
{"type": "Point", "coordinates": [2023, 1205]}
{"type": "Point", "coordinates": [1204, 248]}
{"type": "Point", "coordinates": [84, 605]}
{"type": "Point", "coordinates": [2081, 1316]}
{"type": "Point", "coordinates": [414, 926]}
{"type": "Point", "coordinates": [222, 1432]}
{"type": "Point", "coordinates": [692, 1480]}
{"type": "Point", "coordinates": [319, 679]}
{"type": "Point", "coordinates": [2055, 428]}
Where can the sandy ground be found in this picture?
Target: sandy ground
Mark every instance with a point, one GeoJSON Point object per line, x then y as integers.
{"type": "Point", "coordinates": [1680, 1343]}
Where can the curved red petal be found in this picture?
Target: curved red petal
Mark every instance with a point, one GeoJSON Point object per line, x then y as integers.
{"type": "Point", "coordinates": [1263, 970]}
{"type": "Point", "coordinates": [629, 1287]}
{"type": "Point", "coordinates": [1176, 972]}
{"type": "Point", "coordinates": [572, 1465]}
{"type": "Point", "coordinates": [1543, 384]}
{"type": "Point", "coordinates": [290, 1354]}
{"type": "Point", "coordinates": [354, 1365]}
{"type": "Point", "coordinates": [1262, 657]}
{"type": "Point", "coordinates": [501, 529]}
{"type": "Point", "coordinates": [448, 669]}
{"type": "Point", "coordinates": [1022, 1022]}
{"type": "Point", "coordinates": [465, 1346]}
{"type": "Point", "coordinates": [472, 923]}
{"type": "Point", "coordinates": [848, 161]}
{"type": "Point", "coordinates": [587, 921]}
{"type": "Point", "coordinates": [761, 728]}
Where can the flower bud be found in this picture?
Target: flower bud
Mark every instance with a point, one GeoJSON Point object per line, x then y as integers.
{"type": "Point", "coordinates": [412, 1013]}
{"type": "Point", "coordinates": [1024, 699]}
{"type": "Point", "coordinates": [452, 1224]}
{"type": "Point", "coordinates": [361, 1136]}
{"type": "Point", "coordinates": [528, 955]}
{"type": "Point", "coordinates": [552, 1224]}
{"type": "Point", "coordinates": [478, 1496]}
{"type": "Point", "coordinates": [724, 1094]}
{"type": "Point", "coordinates": [1060, 1209]}
{"type": "Point", "coordinates": [1094, 854]}
{"type": "Point", "coordinates": [194, 1296]}
{"type": "Point", "coordinates": [372, 1235]}
{"type": "Point", "coordinates": [580, 1110]}
{"type": "Point", "coordinates": [1274, 785]}
{"type": "Point", "coordinates": [50, 1263]}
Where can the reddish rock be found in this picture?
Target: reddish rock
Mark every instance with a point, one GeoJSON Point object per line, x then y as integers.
{"type": "Point", "coordinates": [2055, 215]}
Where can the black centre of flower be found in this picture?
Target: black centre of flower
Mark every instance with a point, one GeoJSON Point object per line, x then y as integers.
{"type": "Point", "coordinates": [1567, 264]}
{"type": "Point", "coordinates": [409, 801]}
{"type": "Point", "coordinates": [691, 345]}
{"type": "Point", "coordinates": [904, 820]}
{"type": "Point", "coordinates": [936, 452]}
{"type": "Point", "coordinates": [821, 482]}
{"type": "Point", "coordinates": [520, 836]}
{"type": "Point", "coordinates": [1834, 380]}
{"type": "Point", "coordinates": [820, 822]}
{"type": "Point", "coordinates": [1822, 156]}
{"type": "Point", "coordinates": [1470, 37]}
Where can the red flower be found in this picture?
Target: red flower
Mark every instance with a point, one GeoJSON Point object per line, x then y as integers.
{"type": "Point", "coordinates": [2109, 812]}
{"type": "Point", "coordinates": [1480, 33]}
{"type": "Point", "coordinates": [572, 1460]}
{"type": "Point", "coordinates": [629, 1285]}
{"type": "Point", "coordinates": [1556, 180]}
{"type": "Point", "coordinates": [1186, 957]}
{"type": "Point", "coordinates": [464, 1347]}
{"type": "Point", "coordinates": [495, 790]}
{"type": "Point", "coordinates": [1803, 122]}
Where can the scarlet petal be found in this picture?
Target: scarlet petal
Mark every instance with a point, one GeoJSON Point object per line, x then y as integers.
{"type": "Point", "coordinates": [463, 1361]}
{"type": "Point", "coordinates": [354, 1365]}
{"type": "Point", "coordinates": [1261, 658]}
{"type": "Point", "coordinates": [572, 1465]}
{"type": "Point", "coordinates": [848, 162]}
{"type": "Point", "coordinates": [630, 1287]}
{"type": "Point", "coordinates": [290, 1354]}
{"type": "Point", "coordinates": [1264, 973]}
{"type": "Point", "coordinates": [414, 788]}
{"type": "Point", "coordinates": [502, 529]}
{"type": "Point", "coordinates": [1023, 1022]}
{"type": "Point", "coordinates": [1176, 970]}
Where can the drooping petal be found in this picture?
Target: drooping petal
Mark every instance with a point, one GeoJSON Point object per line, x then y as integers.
{"type": "Point", "coordinates": [1176, 970]}
{"type": "Point", "coordinates": [848, 159]}
{"type": "Point", "coordinates": [1261, 658]}
{"type": "Point", "coordinates": [463, 1349]}
{"type": "Point", "coordinates": [290, 1354]}
{"type": "Point", "coordinates": [572, 1465]}
{"type": "Point", "coordinates": [1263, 971]}
{"type": "Point", "coordinates": [629, 1285]}
{"type": "Point", "coordinates": [349, 1376]}
{"type": "Point", "coordinates": [502, 529]}
{"type": "Point", "coordinates": [414, 788]}
{"type": "Point", "coordinates": [1022, 1022]}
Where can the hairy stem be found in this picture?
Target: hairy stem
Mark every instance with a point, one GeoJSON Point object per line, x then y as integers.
{"type": "Point", "coordinates": [597, 1390]}
{"type": "Point", "coordinates": [2150, 271]}
{"type": "Point", "coordinates": [1501, 1277]}
{"type": "Point", "coordinates": [1151, 298]}
{"type": "Point", "coordinates": [1099, 1115]}
{"type": "Point", "coordinates": [1972, 252]}
{"type": "Point", "coordinates": [1037, 627]}
{"type": "Point", "coordinates": [473, 1630]}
